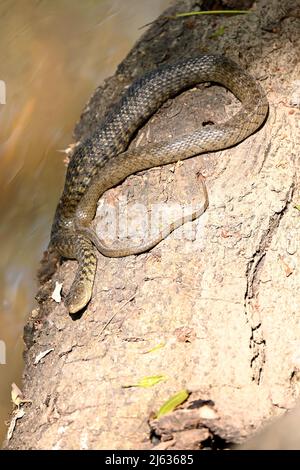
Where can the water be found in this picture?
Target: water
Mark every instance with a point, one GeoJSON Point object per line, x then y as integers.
{"type": "Point", "coordinates": [53, 55]}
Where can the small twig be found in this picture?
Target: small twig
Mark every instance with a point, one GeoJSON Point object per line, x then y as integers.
{"type": "Point", "coordinates": [116, 313]}
{"type": "Point", "coordinates": [192, 13]}
{"type": "Point", "coordinates": [211, 12]}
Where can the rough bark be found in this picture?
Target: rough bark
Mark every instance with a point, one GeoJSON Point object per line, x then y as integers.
{"type": "Point", "coordinates": [223, 303]}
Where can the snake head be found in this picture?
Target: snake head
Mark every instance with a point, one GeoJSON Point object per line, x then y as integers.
{"type": "Point", "coordinates": [78, 297]}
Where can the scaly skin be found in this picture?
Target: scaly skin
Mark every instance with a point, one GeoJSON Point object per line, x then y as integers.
{"type": "Point", "coordinates": [102, 161]}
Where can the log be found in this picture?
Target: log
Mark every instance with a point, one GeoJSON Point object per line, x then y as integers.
{"type": "Point", "coordinates": [214, 308]}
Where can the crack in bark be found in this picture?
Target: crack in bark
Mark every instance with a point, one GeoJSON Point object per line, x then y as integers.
{"type": "Point", "coordinates": [257, 342]}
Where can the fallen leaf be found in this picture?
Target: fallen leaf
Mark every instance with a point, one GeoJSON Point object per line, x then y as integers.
{"type": "Point", "coordinates": [18, 414]}
{"type": "Point", "coordinates": [297, 207]}
{"type": "Point", "coordinates": [219, 32]}
{"type": "Point", "coordinates": [17, 396]}
{"type": "Point", "coordinates": [155, 348]}
{"type": "Point", "coordinates": [148, 381]}
{"type": "Point", "coordinates": [41, 355]}
{"type": "Point", "coordinates": [56, 293]}
{"type": "Point", "coordinates": [173, 402]}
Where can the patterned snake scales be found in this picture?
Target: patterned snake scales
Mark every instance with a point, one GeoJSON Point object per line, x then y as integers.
{"type": "Point", "coordinates": [102, 161]}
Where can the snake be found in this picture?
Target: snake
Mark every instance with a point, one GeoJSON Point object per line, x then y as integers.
{"type": "Point", "coordinates": [103, 160]}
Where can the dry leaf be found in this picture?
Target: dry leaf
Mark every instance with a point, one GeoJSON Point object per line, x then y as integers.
{"type": "Point", "coordinates": [56, 293]}
{"type": "Point", "coordinates": [17, 396]}
{"type": "Point", "coordinates": [41, 355]}
{"type": "Point", "coordinates": [18, 414]}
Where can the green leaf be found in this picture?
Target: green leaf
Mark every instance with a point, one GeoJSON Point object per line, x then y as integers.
{"type": "Point", "coordinates": [155, 348]}
{"type": "Point", "coordinates": [148, 381]}
{"type": "Point", "coordinates": [173, 402]}
{"type": "Point", "coordinates": [219, 32]}
{"type": "Point", "coordinates": [213, 12]}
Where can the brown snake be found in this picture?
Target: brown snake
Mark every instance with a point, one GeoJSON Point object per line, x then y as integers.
{"type": "Point", "coordinates": [102, 161]}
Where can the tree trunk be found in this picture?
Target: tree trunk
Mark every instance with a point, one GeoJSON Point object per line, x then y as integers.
{"type": "Point", "coordinates": [214, 308]}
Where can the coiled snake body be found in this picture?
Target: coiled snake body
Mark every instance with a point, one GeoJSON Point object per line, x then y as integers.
{"type": "Point", "coordinates": [102, 161]}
